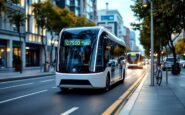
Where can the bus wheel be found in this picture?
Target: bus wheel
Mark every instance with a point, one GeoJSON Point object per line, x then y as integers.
{"type": "Point", "coordinates": [123, 76]}
{"type": "Point", "coordinates": [107, 83]}
{"type": "Point", "coordinates": [64, 89]}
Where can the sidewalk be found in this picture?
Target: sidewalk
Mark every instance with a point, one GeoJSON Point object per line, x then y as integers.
{"type": "Point", "coordinates": [158, 100]}
{"type": "Point", "coordinates": [27, 73]}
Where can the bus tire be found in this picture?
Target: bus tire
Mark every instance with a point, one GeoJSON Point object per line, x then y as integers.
{"type": "Point", "coordinates": [107, 87]}
{"type": "Point", "coordinates": [63, 89]}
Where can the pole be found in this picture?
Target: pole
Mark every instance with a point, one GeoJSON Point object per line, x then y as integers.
{"type": "Point", "coordinates": [152, 45]}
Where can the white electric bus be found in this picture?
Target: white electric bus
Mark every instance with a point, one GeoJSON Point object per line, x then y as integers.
{"type": "Point", "coordinates": [89, 57]}
{"type": "Point", "coordinates": [134, 59]}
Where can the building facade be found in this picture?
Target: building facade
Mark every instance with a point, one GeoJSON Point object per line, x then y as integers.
{"type": "Point", "coordinates": [31, 51]}
{"type": "Point", "coordinates": [9, 38]}
{"type": "Point", "coordinates": [112, 20]}
{"type": "Point", "coordinates": [87, 8]}
{"type": "Point", "coordinates": [132, 40]}
{"type": "Point", "coordinates": [127, 36]}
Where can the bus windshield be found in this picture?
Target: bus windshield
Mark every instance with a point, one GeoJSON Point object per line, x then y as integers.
{"type": "Point", "coordinates": [133, 58]}
{"type": "Point", "coordinates": [77, 51]}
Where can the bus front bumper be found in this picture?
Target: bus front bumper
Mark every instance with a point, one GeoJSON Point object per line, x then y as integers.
{"type": "Point", "coordinates": [93, 80]}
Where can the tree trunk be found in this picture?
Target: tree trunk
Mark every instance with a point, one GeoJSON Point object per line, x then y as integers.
{"type": "Point", "coordinates": [158, 57]}
{"type": "Point", "coordinates": [175, 66]}
{"type": "Point", "coordinates": [20, 47]}
{"type": "Point", "coordinates": [46, 69]}
{"type": "Point", "coordinates": [52, 45]}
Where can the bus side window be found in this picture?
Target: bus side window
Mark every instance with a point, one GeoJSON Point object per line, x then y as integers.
{"type": "Point", "coordinates": [107, 47]}
{"type": "Point", "coordinates": [100, 54]}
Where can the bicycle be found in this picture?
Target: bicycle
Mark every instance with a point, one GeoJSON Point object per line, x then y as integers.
{"type": "Point", "coordinates": [158, 74]}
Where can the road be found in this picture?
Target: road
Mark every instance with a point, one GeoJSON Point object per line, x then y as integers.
{"type": "Point", "coordinates": [39, 96]}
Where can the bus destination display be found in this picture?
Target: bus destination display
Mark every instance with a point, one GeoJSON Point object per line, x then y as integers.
{"type": "Point", "coordinates": [77, 42]}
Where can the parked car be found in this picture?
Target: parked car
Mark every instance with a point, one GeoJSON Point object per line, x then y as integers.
{"type": "Point", "coordinates": [182, 63]}
{"type": "Point", "coordinates": [168, 62]}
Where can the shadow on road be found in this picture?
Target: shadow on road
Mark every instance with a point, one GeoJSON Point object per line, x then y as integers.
{"type": "Point", "coordinates": [77, 91]}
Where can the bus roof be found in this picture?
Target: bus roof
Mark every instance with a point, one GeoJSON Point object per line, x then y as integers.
{"type": "Point", "coordinates": [100, 29]}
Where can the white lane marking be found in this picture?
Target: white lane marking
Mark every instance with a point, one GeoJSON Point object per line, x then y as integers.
{"type": "Point", "coordinates": [22, 96]}
{"type": "Point", "coordinates": [70, 111]}
{"type": "Point", "coordinates": [47, 80]}
{"type": "Point", "coordinates": [23, 79]}
{"type": "Point", "coordinates": [16, 86]}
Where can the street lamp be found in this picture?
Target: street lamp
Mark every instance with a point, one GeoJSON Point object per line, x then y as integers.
{"type": "Point", "coordinates": [145, 4]}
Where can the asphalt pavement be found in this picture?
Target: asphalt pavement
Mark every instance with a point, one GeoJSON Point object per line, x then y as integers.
{"type": "Point", "coordinates": [40, 96]}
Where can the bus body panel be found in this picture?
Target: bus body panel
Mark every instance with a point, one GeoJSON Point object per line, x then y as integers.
{"type": "Point", "coordinates": [97, 80]}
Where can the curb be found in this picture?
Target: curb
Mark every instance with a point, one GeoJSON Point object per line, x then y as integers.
{"type": "Point", "coordinates": [26, 77]}
{"type": "Point", "coordinates": [116, 107]}
{"type": "Point", "coordinates": [126, 109]}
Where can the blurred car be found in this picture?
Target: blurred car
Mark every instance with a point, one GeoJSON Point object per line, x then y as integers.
{"type": "Point", "coordinates": [167, 64]}
{"type": "Point", "coordinates": [182, 63]}
{"type": "Point", "coordinates": [143, 62]}
{"type": "Point", "coordinates": [146, 61]}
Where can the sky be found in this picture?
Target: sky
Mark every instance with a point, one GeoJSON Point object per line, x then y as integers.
{"type": "Point", "coordinates": [123, 6]}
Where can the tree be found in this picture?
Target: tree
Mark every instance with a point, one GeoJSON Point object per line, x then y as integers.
{"type": "Point", "coordinates": [144, 27]}
{"type": "Point", "coordinates": [180, 46]}
{"type": "Point", "coordinates": [68, 18]}
{"type": "Point", "coordinates": [41, 20]}
{"type": "Point", "coordinates": [53, 19]}
{"type": "Point", "coordinates": [167, 20]}
{"type": "Point", "coordinates": [18, 19]}
{"type": "Point", "coordinates": [2, 5]}
{"type": "Point", "coordinates": [82, 21]}
{"type": "Point", "coordinates": [57, 19]}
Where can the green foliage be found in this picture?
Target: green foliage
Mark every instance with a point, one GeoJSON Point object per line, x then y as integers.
{"type": "Point", "coordinates": [2, 5]}
{"type": "Point", "coordinates": [68, 18]}
{"type": "Point", "coordinates": [18, 18]}
{"type": "Point", "coordinates": [129, 50]}
{"type": "Point", "coordinates": [167, 19]}
{"type": "Point", "coordinates": [180, 46]}
{"type": "Point", "coordinates": [82, 21]}
{"type": "Point", "coordinates": [118, 51]}
{"type": "Point", "coordinates": [40, 14]}
{"type": "Point", "coordinates": [54, 18]}
{"type": "Point", "coordinates": [16, 1]}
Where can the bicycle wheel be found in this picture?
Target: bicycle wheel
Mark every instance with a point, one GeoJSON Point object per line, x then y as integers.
{"type": "Point", "coordinates": [159, 77]}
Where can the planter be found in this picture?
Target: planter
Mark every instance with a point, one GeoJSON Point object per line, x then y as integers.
{"type": "Point", "coordinates": [176, 69]}
{"type": "Point", "coordinates": [17, 68]}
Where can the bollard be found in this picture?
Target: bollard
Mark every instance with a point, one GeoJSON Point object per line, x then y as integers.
{"type": "Point", "coordinates": [166, 75]}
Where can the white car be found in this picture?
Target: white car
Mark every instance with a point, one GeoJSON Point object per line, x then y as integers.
{"type": "Point", "coordinates": [182, 63]}
{"type": "Point", "coordinates": [168, 62]}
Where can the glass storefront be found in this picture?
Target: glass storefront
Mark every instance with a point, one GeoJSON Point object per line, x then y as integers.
{"type": "Point", "coordinates": [16, 51]}
{"type": "Point", "coordinates": [3, 53]}
{"type": "Point", "coordinates": [32, 55]}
